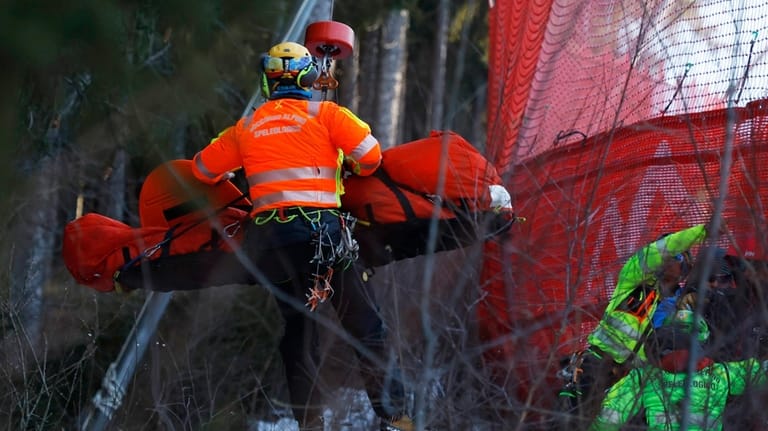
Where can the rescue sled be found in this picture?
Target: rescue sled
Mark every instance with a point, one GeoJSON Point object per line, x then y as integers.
{"type": "Point", "coordinates": [439, 182]}
{"type": "Point", "coordinates": [194, 224]}
{"type": "Point", "coordinates": [189, 230]}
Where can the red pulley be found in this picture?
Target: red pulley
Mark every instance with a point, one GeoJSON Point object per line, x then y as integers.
{"type": "Point", "coordinates": [331, 38]}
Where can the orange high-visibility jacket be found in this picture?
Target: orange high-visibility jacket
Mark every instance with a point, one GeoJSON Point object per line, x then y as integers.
{"type": "Point", "coordinates": [292, 152]}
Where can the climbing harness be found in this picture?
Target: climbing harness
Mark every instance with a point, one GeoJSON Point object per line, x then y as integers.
{"type": "Point", "coordinates": [329, 254]}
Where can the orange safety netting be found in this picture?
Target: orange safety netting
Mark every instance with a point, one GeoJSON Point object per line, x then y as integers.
{"type": "Point", "coordinates": [612, 122]}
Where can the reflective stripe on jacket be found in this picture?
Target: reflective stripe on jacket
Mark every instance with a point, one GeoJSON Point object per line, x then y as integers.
{"type": "Point", "coordinates": [619, 332]}
{"type": "Point", "coordinates": [292, 152]}
{"type": "Point", "coordinates": [661, 394]}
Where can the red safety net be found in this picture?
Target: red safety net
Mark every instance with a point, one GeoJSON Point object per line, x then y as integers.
{"type": "Point", "coordinates": [612, 122]}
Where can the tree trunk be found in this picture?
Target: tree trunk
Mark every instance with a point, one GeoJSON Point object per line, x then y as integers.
{"type": "Point", "coordinates": [477, 132]}
{"type": "Point", "coordinates": [435, 115]}
{"type": "Point", "coordinates": [369, 75]}
{"type": "Point", "coordinates": [476, 125]}
{"type": "Point", "coordinates": [349, 78]}
{"type": "Point", "coordinates": [34, 235]}
{"type": "Point", "coordinates": [391, 82]}
{"type": "Point", "coordinates": [115, 187]}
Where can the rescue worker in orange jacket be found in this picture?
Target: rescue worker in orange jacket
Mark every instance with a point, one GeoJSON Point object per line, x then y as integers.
{"type": "Point", "coordinates": [294, 151]}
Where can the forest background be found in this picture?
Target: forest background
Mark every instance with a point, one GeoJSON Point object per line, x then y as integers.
{"type": "Point", "coordinates": [98, 93]}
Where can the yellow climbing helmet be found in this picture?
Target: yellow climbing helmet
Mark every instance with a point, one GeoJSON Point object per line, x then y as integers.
{"type": "Point", "coordinates": [288, 69]}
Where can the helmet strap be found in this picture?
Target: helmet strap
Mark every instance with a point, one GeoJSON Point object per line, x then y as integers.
{"type": "Point", "coordinates": [265, 86]}
{"type": "Point", "coordinates": [307, 76]}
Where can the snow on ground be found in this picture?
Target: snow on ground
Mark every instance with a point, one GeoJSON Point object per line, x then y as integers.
{"type": "Point", "coordinates": [351, 411]}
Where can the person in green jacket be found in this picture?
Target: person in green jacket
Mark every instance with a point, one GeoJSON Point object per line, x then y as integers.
{"type": "Point", "coordinates": [671, 396]}
{"type": "Point", "coordinates": [655, 271]}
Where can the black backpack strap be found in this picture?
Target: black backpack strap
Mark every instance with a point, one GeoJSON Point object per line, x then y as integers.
{"type": "Point", "coordinates": [369, 213]}
{"type": "Point", "coordinates": [395, 188]}
{"type": "Point", "coordinates": [461, 210]}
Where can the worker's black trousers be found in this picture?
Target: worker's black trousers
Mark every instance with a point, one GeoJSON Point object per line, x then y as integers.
{"type": "Point", "coordinates": [284, 256]}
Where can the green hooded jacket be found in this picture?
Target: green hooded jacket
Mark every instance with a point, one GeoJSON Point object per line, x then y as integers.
{"type": "Point", "coordinates": [661, 394]}
{"type": "Point", "coordinates": [623, 324]}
